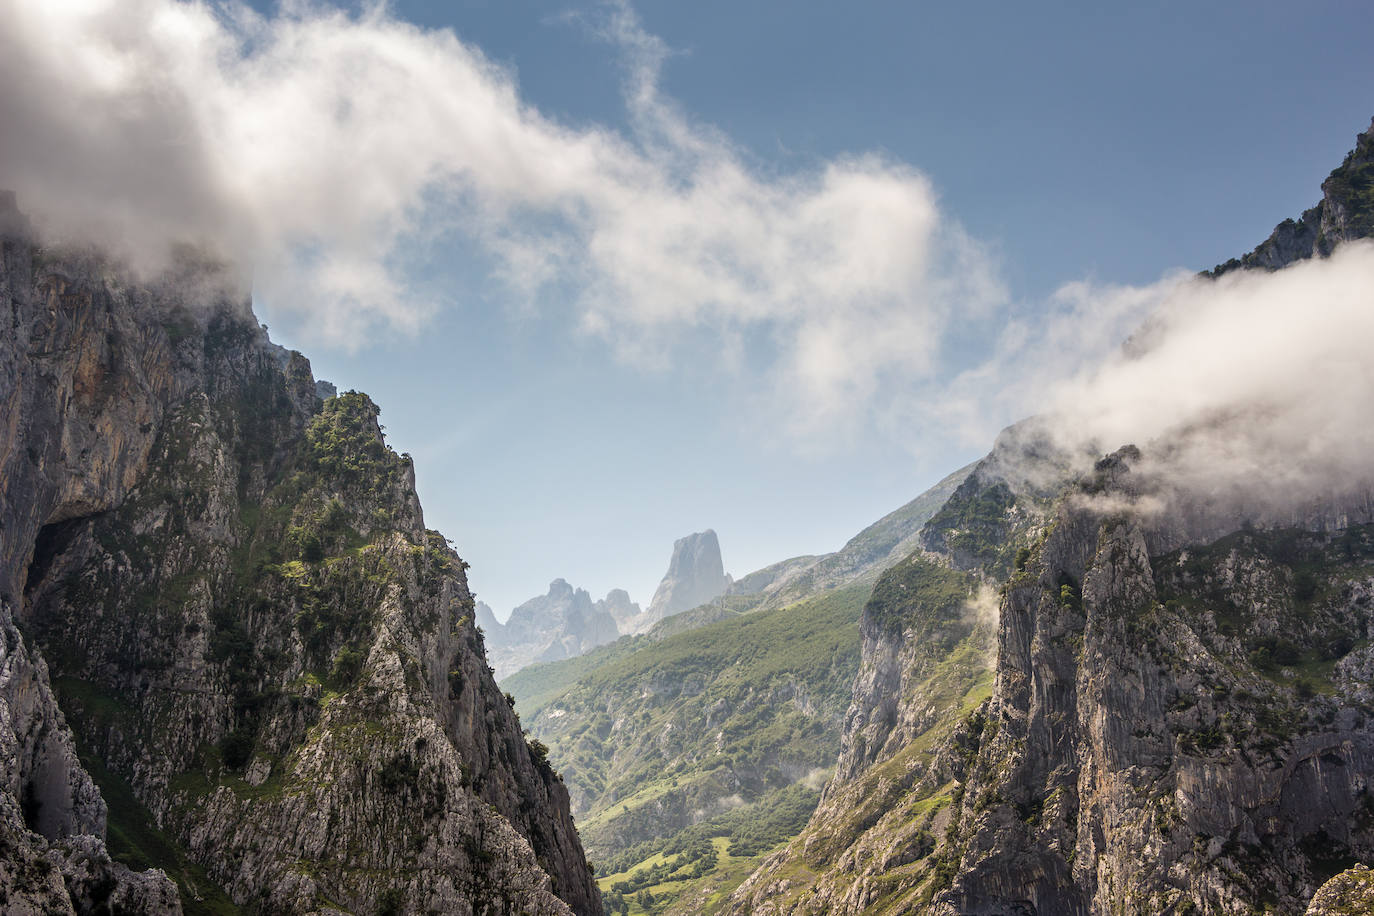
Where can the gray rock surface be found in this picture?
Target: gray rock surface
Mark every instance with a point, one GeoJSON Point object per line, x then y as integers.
{"type": "Point", "coordinates": [618, 605]}
{"type": "Point", "coordinates": [563, 623]}
{"type": "Point", "coordinates": [1351, 893]}
{"type": "Point", "coordinates": [1169, 726]}
{"type": "Point", "coordinates": [695, 576]}
{"type": "Point", "coordinates": [231, 594]}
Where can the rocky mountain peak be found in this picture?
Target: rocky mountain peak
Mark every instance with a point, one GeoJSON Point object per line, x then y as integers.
{"type": "Point", "coordinates": [695, 575]}
{"type": "Point", "coordinates": [1345, 212]}
{"type": "Point", "coordinates": [617, 603]}
{"type": "Point", "coordinates": [562, 623]}
{"type": "Point", "coordinates": [231, 606]}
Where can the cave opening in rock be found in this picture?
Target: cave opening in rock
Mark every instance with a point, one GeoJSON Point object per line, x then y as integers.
{"type": "Point", "coordinates": [52, 541]}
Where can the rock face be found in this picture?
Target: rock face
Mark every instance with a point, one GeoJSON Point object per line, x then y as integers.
{"type": "Point", "coordinates": [486, 619]}
{"type": "Point", "coordinates": [1346, 212]}
{"type": "Point", "coordinates": [695, 576]}
{"type": "Point", "coordinates": [227, 591]}
{"type": "Point", "coordinates": [1172, 724]}
{"type": "Point", "coordinates": [561, 624]}
{"type": "Point", "coordinates": [618, 605]}
{"type": "Point", "coordinates": [1348, 894]}
{"type": "Point", "coordinates": [1178, 719]}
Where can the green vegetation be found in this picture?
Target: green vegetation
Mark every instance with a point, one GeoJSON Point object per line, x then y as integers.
{"type": "Point", "coordinates": [924, 595]}
{"type": "Point", "coordinates": [974, 526]}
{"type": "Point", "coordinates": [535, 685]}
{"type": "Point", "coordinates": [748, 831]}
{"type": "Point", "coordinates": [344, 444]}
{"type": "Point", "coordinates": [287, 614]}
{"type": "Point", "coordinates": [1274, 609]}
{"type": "Point", "coordinates": [1352, 184]}
{"type": "Point", "coordinates": [730, 717]}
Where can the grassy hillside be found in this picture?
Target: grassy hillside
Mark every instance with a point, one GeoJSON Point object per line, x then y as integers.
{"type": "Point", "coordinates": [690, 756]}
{"type": "Point", "coordinates": [719, 719]}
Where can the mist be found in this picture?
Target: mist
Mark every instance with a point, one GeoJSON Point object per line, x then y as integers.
{"type": "Point", "coordinates": [328, 154]}
{"type": "Point", "coordinates": [1251, 393]}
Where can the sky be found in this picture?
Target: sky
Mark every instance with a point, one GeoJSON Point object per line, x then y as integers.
{"type": "Point", "coordinates": [617, 273]}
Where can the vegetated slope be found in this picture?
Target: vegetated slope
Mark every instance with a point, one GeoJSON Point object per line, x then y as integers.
{"type": "Point", "coordinates": [879, 546]}
{"type": "Point", "coordinates": [629, 809]}
{"type": "Point", "coordinates": [267, 661]}
{"type": "Point", "coordinates": [535, 685]}
{"type": "Point", "coordinates": [726, 725]}
{"type": "Point", "coordinates": [1171, 728]}
{"type": "Point", "coordinates": [1178, 723]}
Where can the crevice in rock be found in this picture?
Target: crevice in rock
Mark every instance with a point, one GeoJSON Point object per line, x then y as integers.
{"type": "Point", "coordinates": [52, 541]}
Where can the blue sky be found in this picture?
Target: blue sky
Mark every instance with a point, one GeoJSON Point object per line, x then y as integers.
{"type": "Point", "coordinates": [568, 417]}
{"type": "Point", "coordinates": [1104, 141]}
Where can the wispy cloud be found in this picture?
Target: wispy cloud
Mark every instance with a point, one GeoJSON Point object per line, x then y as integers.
{"type": "Point", "coordinates": [1251, 393]}
{"type": "Point", "coordinates": [1257, 385]}
{"type": "Point", "coordinates": [315, 146]}
{"type": "Point", "coordinates": [319, 148]}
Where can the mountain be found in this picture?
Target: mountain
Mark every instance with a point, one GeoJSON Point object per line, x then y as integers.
{"type": "Point", "coordinates": [713, 728]}
{"type": "Point", "coordinates": [560, 624]}
{"type": "Point", "coordinates": [695, 576]}
{"type": "Point", "coordinates": [881, 545]}
{"type": "Point", "coordinates": [231, 648]}
{"type": "Point", "coordinates": [1345, 212]}
{"type": "Point", "coordinates": [486, 619]}
{"type": "Point", "coordinates": [704, 741]}
{"type": "Point", "coordinates": [617, 603]}
{"type": "Point", "coordinates": [1170, 713]}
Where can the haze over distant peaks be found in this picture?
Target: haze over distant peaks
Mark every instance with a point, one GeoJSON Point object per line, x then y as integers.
{"type": "Point", "coordinates": [695, 576]}
{"type": "Point", "coordinates": [560, 624]}
{"type": "Point", "coordinates": [565, 622]}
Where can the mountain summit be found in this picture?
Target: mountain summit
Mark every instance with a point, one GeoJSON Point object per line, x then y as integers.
{"type": "Point", "coordinates": [695, 576]}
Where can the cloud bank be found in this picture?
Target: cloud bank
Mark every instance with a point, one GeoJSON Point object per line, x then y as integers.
{"type": "Point", "coordinates": [1258, 385]}
{"type": "Point", "coordinates": [1250, 395]}
{"type": "Point", "coordinates": [325, 151]}
{"type": "Point", "coordinates": [322, 149]}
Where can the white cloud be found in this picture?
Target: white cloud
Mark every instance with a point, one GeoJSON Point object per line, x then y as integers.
{"type": "Point", "coordinates": [1258, 382]}
{"type": "Point", "coordinates": [1251, 395]}
{"type": "Point", "coordinates": [315, 146]}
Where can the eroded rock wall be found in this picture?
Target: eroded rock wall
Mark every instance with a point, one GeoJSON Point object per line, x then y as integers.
{"type": "Point", "coordinates": [229, 588]}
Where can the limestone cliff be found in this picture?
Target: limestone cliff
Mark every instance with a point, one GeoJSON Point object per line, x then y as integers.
{"type": "Point", "coordinates": [695, 576]}
{"type": "Point", "coordinates": [1178, 719]}
{"type": "Point", "coordinates": [1173, 727]}
{"type": "Point", "coordinates": [226, 589]}
{"type": "Point", "coordinates": [563, 623]}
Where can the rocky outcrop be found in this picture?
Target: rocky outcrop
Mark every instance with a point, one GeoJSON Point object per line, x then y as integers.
{"type": "Point", "coordinates": [492, 629]}
{"type": "Point", "coordinates": [1171, 729]}
{"type": "Point", "coordinates": [695, 576]}
{"type": "Point", "coordinates": [618, 605]}
{"type": "Point", "coordinates": [563, 623]}
{"type": "Point", "coordinates": [1351, 893]}
{"type": "Point", "coordinates": [1345, 212]}
{"type": "Point", "coordinates": [1179, 716]}
{"type": "Point", "coordinates": [1167, 729]}
{"type": "Point", "coordinates": [228, 589]}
